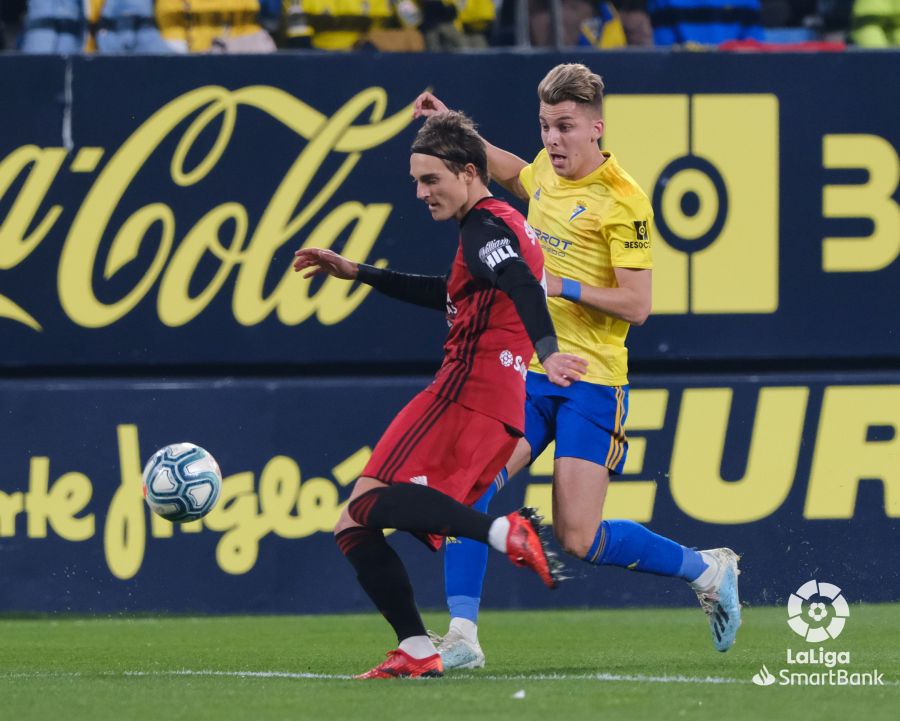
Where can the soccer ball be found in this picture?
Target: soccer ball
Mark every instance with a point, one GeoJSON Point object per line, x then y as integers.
{"type": "Point", "coordinates": [182, 482]}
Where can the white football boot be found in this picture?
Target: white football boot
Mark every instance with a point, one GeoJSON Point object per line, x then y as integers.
{"type": "Point", "coordinates": [717, 591]}
{"type": "Point", "coordinates": [460, 647]}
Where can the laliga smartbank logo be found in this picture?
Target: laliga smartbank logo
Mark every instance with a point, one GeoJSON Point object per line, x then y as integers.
{"type": "Point", "coordinates": [818, 612]}
{"type": "Point", "coordinates": [811, 619]}
{"type": "Point", "coordinates": [710, 165]}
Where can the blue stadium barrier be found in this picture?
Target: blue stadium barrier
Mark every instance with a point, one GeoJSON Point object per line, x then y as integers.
{"type": "Point", "coordinates": [798, 473]}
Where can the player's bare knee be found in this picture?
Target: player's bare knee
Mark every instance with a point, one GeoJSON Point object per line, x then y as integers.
{"type": "Point", "coordinates": [578, 547]}
{"type": "Point", "coordinates": [344, 522]}
{"type": "Point", "coordinates": [574, 541]}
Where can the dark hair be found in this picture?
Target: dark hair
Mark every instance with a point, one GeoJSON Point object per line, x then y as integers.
{"type": "Point", "coordinates": [452, 137]}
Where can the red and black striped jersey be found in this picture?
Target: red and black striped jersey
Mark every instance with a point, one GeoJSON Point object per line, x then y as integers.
{"type": "Point", "coordinates": [488, 350]}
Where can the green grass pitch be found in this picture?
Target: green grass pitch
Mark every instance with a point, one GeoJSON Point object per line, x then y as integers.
{"type": "Point", "coordinates": [598, 665]}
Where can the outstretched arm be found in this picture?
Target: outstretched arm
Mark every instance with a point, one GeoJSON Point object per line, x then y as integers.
{"type": "Point", "coordinates": [429, 291]}
{"type": "Point", "coordinates": [503, 166]}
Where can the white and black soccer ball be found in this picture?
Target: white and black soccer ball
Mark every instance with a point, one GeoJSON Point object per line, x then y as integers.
{"type": "Point", "coordinates": [182, 482]}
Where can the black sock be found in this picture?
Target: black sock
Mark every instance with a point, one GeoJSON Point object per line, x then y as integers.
{"type": "Point", "coordinates": [419, 509]}
{"type": "Point", "coordinates": [383, 576]}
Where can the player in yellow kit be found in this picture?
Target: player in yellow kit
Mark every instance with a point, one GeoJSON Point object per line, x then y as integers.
{"type": "Point", "coordinates": [593, 222]}
{"type": "Point", "coordinates": [592, 231]}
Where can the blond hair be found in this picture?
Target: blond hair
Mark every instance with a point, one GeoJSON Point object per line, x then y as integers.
{"type": "Point", "coordinates": [572, 81]}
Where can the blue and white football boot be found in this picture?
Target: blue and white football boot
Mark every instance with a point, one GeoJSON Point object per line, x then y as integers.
{"type": "Point", "coordinates": [717, 591]}
{"type": "Point", "coordinates": [459, 649]}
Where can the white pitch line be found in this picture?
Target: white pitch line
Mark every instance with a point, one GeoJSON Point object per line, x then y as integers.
{"type": "Point", "coordinates": [242, 674]}
{"type": "Point", "coordinates": [601, 677]}
{"type": "Point", "coordinates": [484, 677]}
{"type": "Point", "coordinates": [607, 677]}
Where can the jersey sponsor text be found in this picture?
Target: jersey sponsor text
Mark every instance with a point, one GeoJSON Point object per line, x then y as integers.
{"type": "Point", "coordinates": [495, 252]}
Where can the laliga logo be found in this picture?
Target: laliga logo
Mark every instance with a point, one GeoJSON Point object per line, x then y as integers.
{"type": "Point", "coordinates": [813, 623]}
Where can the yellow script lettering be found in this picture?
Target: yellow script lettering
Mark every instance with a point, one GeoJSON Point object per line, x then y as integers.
{"type": "Point", "coordinates": [283, 506]}
{"type": "Point", "coordinates": [124, 536]}
{"type": "Point", "coordinates": [11, 505]}
{"type": "Point", "coordinates": [175, 305]}
{"type": "Point", "coordinates": [58, 504]}
{"type": "Point", "coordinates": [278, 224]}
{"type": "Point", "coordinates": [15, 243]}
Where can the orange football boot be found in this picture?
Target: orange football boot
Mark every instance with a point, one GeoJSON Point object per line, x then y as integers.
{"type": "Point", "coordinates": [526, 547]}
{"type": "Point", "coordinates": [400, 664]}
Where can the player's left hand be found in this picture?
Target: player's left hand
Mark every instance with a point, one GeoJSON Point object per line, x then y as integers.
{"type": "Point", "coordinates": [563, 369]}
{"type": "Point", "coordinates": [324, 261]}
{"type": "Point", "coordinates": [427, 105]}
{"type": "Point", "coordinates": [554, 284]}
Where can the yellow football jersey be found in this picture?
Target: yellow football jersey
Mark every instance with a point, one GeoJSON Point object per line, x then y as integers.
{"type": "Point", "coordinates": [587, 228]}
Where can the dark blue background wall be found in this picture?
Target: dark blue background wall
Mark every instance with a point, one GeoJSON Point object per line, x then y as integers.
{"type": "Point", "coordinates": [149, 210]}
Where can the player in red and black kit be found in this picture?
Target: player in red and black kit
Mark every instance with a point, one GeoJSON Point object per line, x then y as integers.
{"type": "Point", "coordinates": [451, 440]}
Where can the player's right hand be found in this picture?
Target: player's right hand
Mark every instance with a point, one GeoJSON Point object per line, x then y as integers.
{"type": "Point", "coordinates": [324, 261]}
{"type": "Point", "coordinates": [428, 105]}
{"type": "Point", "coordinates": [563, 369]}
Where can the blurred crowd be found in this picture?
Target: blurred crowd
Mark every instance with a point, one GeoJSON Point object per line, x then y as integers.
{"type": "Point", "coordinates": [261, 26]}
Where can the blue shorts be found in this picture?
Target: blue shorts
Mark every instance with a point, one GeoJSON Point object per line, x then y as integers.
{"type": "Point", "coordinates": [587, 420]}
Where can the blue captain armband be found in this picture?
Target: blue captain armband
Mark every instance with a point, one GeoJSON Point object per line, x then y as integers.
{"type": "Point", "coordinates": [571, 290]}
